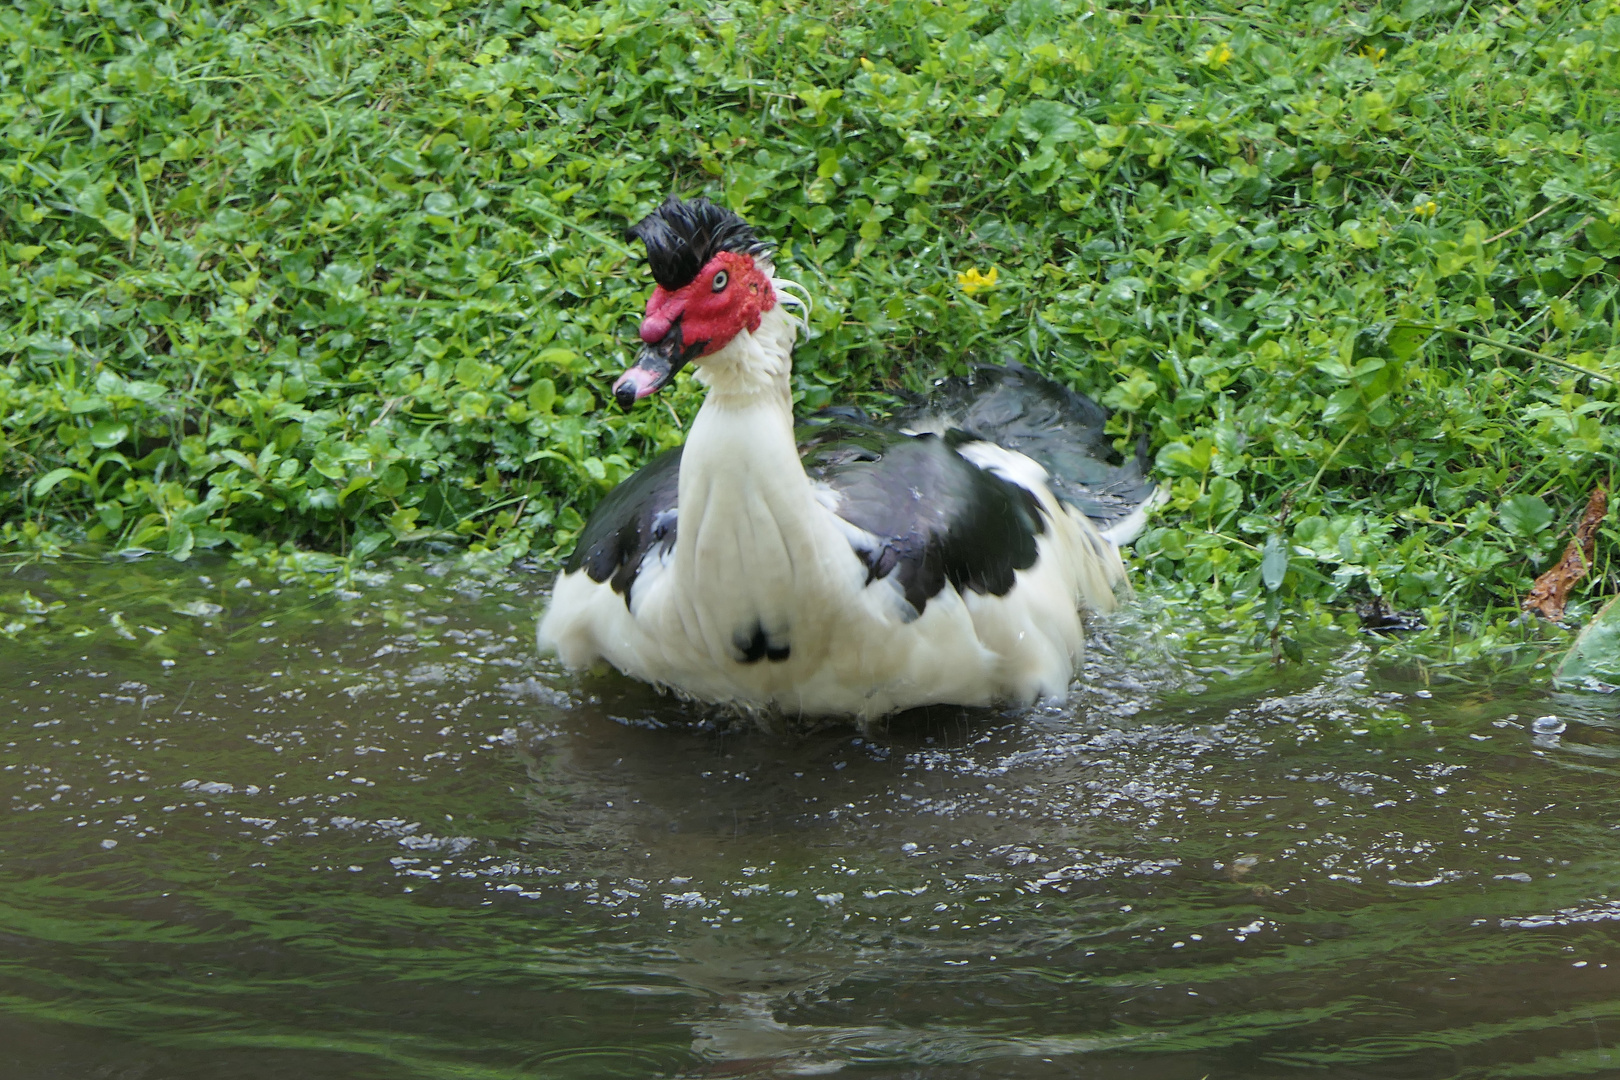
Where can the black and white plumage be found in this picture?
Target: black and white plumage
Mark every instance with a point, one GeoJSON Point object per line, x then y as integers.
{"type": "Point", "coordinates": [841, 567]}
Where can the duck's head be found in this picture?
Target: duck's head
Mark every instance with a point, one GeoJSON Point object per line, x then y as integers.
{"type": "Point", "coordinates": [714, 282]}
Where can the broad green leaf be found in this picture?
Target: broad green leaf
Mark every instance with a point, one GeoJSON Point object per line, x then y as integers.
{"type": "Point", "coordinates": [1049, 122]}
{"type": "Point", "coordinates": [1179, 459]}
{"type": "Point", "coordinates": [1593, 662]}
{"type": "Point", "coordinates": [354, 485]}
{"type": "Point", "coordinates": [180, 541]}
{"type": "Point", "coordinates": [369, 542]}
{"type": "Point", "coordinates": [542, 394]}
{"type": "Point", "coordinates": [564, 359]}
{"type": "Point", "coordinates": [44, 484]}
{"type": "Point", "coordinates": [392, 482]}
{"type": "Point", "coordinates": [108, 434]}
{"type": "Point", "coordinates": [1525, 515]}
{"type": "Point", "coordinates": [1274, 562]}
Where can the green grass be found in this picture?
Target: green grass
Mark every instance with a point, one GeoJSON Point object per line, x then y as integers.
{"type": "Point", "coordinates": [309, 281]}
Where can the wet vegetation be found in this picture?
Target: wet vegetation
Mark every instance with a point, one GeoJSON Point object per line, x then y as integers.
{"type": "Point", "coordinates": [315, 282]}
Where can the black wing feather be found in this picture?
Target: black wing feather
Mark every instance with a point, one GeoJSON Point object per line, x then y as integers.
{"type": "Point", "coordinates": [634, 519]}
{"type": "Point", "coordinates": [936, 516]}
{"type": "Point", "coordinates": [1061, 430]}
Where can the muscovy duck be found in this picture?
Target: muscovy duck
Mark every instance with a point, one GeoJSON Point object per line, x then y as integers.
{"type": "Point", "coordinates": [857, 572]}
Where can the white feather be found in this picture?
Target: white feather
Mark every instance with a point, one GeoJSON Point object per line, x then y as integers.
{"type": "Point", "coordinates": [1124, 532]}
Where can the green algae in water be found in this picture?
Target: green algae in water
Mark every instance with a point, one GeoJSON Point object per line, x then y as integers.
{"type": "Point", "coordinates": [371, 834]}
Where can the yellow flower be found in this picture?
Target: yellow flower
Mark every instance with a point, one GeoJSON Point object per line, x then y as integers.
{"type": "Point", "coordinates": [1425, 208]}
{"type": "Point", "coordinates": [1217, 56]}
{"type": "Point", "coordinates": [974, 282]}
{"type": "Point", "coordinates": [1375, 55]}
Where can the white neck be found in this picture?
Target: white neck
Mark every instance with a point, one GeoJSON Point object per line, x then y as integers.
{"type": "Point", "coordinates": [743, 434]}
{"type": "Point", "coordinates": [749, 541]}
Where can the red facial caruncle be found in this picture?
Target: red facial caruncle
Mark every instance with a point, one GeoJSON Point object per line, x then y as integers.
{"type": "Point", "coordinates": [726, 297]}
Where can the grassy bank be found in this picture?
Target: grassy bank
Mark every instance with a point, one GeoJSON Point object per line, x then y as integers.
{"type": "Point", "coordinates": [314, 280]}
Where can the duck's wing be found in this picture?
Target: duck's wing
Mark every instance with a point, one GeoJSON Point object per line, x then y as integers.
{"type": "Point", "coordinates": [1059, 429]}
{"type": "Point", "coordinates": [635, 520]}
{"type": "Point", "coordinates": [919, 514]}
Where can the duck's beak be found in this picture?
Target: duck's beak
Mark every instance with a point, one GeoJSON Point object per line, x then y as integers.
{"type": "Point", "coordinates": [655, 366]}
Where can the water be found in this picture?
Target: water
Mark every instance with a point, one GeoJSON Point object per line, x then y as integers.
{"type": "Point", "coordinates": [268, 835]}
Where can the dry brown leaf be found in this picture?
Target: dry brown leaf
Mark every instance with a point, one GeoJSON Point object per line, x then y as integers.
{"type": "Point", "coordinates": [1551, 590]}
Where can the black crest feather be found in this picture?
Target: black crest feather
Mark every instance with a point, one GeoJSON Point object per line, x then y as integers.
{"type": "Point", "coordinates": [681, 238]}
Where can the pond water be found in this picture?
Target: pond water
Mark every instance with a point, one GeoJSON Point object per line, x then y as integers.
{"type": "Point", "coordinates": [254, 833]}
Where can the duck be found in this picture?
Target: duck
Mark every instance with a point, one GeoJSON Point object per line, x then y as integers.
{"type": "Point", "coordinates": [838, 567]}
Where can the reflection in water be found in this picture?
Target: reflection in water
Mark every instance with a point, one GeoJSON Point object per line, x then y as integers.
{"type": "Point", "coordinates": [375, 836]}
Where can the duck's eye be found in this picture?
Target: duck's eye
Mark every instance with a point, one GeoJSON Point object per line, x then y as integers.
{"type": "Point", "coordinates": [720, 280]}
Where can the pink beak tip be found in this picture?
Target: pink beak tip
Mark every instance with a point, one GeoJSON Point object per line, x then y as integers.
{"type": "Point", "coordinates": [644, 382]}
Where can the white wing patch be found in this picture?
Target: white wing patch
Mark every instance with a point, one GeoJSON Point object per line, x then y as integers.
{"type": "Point", "coordinates": [1010, 465]}
{"type": "Point", "coordinates": [867, 545]}
{"type": "Point", "coordinates": [1125, 531]}
{"type": "Point", "coordinates": [826, 495]}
